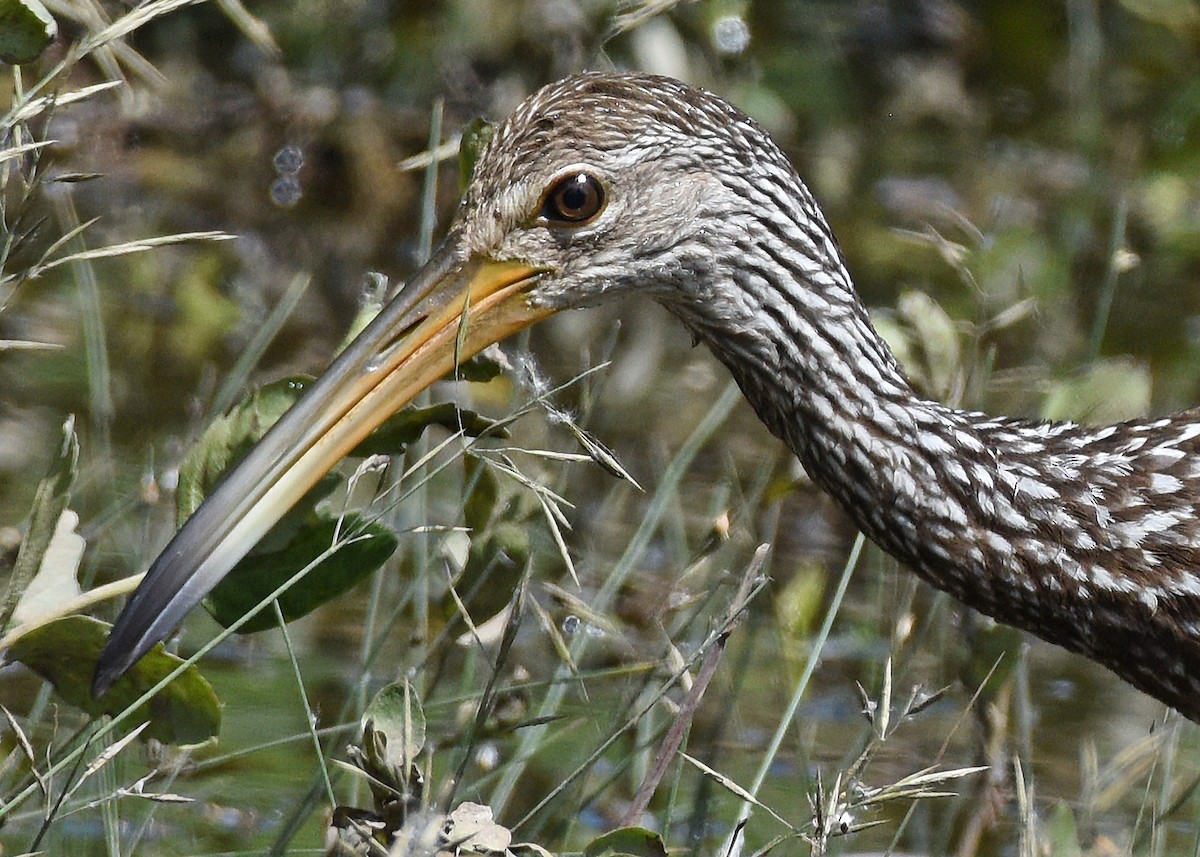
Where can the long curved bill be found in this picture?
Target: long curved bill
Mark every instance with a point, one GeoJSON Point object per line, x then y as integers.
{"type": "Point", "coordinates": [450, 310]}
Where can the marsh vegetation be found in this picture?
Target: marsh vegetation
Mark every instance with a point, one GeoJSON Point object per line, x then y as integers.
{"type": "Point", "coordinates": [578, 581]}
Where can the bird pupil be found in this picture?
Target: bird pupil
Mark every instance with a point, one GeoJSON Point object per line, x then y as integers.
{"type": "Point", "coordinates": [575, 195]}
{"type": "Point", "coordinates": [572, 200]}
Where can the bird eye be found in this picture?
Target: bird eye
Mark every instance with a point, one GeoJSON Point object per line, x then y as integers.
{"type": "Point", "coordinates": [573, 200]}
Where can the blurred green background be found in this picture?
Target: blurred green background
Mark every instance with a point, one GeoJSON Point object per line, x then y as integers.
{"type": "Point", "coordinates": [1014, 185]}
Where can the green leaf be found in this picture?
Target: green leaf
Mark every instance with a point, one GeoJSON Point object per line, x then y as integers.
{"type": "Point", "coordinates": [1062, 833]}
{"type": "Point", "coordinates": [305, 532]}
{"type": "Point", "coordinates": [26, 29]}
{"type": "Point", "coordinates": [495, 563]}
{"type": "Point", "coordinates": [49, 502]}
{"type": "Point", "coordinates": [1110, 391]}
{"type": "Point", "coordinates": [475, 136]}
{"type": "Point", "coordinates": [377, 289]}
{"type": "Point", "coordinates": [227, 440]}
{"type": "Point", "coordinates": [393, 732]}
{"type": "Point", "coordinates": [65, 654]}
{"type": "Point", "coordinates": [632, 841]}
{"type": "Point", "coordinates": [799, 606]}
{"type": "Point", "coordinates": [482, 494]}
{"type": "Point", "coordinates": [408, 425]}
{"type": "Point", "coordinates": [1181, 16]}
{"type": "Point", "coordinates": [263, 571]}
{"type": "Point", "coordinates": [483, 367]}
{"type": "Point", "coordinates": [935, 334]}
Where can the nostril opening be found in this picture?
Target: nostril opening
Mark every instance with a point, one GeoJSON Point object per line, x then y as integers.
{"type": "Point", "coordinates": [379, 358]}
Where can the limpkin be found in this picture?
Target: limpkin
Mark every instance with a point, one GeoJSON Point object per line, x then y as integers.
{"type": "Point", "coordinates": [605, 184]}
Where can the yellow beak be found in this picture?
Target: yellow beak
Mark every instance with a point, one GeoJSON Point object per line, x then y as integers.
{"type": "Point", "coordinates": [414, 341]}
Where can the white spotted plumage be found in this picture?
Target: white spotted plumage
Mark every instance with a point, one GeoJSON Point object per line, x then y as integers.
{"type": "Point", "coordinates": [1088, 537]}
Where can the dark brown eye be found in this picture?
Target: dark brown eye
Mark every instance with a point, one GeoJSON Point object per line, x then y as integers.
{"type": "Point", "coordinates": [573, 200]}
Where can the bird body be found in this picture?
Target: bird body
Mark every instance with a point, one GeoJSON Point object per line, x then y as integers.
{"type": "Point", "coordinates": [609, 184]}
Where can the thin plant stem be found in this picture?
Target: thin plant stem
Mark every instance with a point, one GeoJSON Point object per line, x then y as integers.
{"type": "Point", "coordinates": [532, 736]}
{"type": "Point", "coordinates": [309, 715]}
{"type": "Point", "coordinates": [789, 713]}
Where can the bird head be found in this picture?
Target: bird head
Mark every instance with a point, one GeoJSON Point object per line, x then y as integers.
{"type": "Point", "coordinates": [608, 184]}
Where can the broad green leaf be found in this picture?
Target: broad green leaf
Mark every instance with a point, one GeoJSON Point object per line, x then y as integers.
{"type": "Point", "coordinates": [296, 540]}
{"type": "Point", "coordinates": [65, 654]}
{"type": "Point", "coordinates": [227, 440]}
{"type": "Point", "coordinates": [263, 571]}
{"type": "Point", "coordinates": [632, 841]}
{"type": "Point", "coordinates": [49, 502]}
{"type": "Point", "coordinates": [305, 532]}
{"type": "Point", "coordinates": [26, 29]}
{"type": "Point", "coordinates": [393, 732]}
